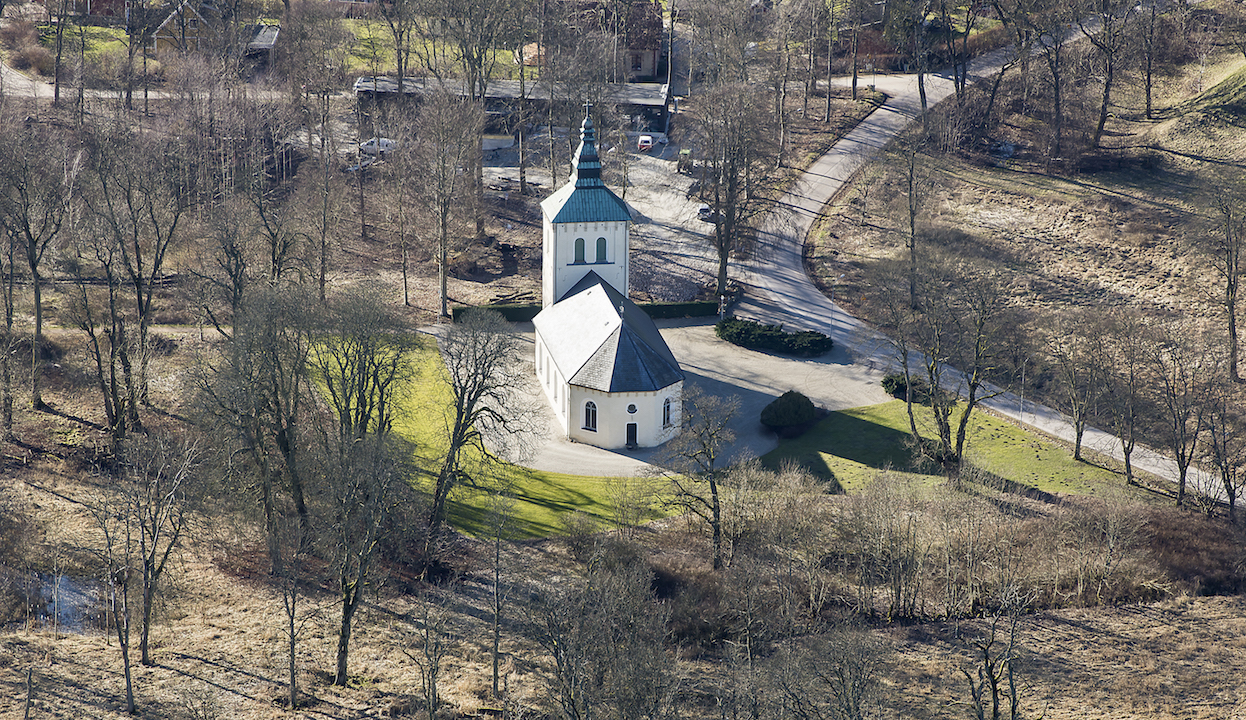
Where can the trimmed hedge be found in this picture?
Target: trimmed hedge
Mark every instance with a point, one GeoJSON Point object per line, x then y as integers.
{"type": "Point", "coordinates": [789, 409]}
{"type": "Point", "coordinates": [669, 310]}
{"type": "Point", "coordinates": [513, 312]}
{"type": "Point", "coordinates": [657, 311]}
{"type": "Point", "coordinates": [755, 336]}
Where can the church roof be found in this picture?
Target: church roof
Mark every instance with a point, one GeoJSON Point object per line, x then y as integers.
{"type": "Point", "coordinates": [585, 198]}
{"type": "Point", "coordinates": [602, 341]}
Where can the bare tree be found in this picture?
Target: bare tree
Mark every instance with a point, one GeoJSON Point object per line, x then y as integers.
{"type": "Point", "coordinates": [1183, 367]}
{"type": "Point", "coordinates": [293, 576]}
{"type": "Point", "coordinates": [402, 19]}
{"type": "Point", "coordinates": [37, 177]}
{"type": "Point", "coordinates": [917, 187]}
{"type": "Point", "coordinates": [1127, 343]}
{"type": "Point", "coordinates": [118, 556]}
{"type": "Point", "coordinates": [489, 418]}
{"type": "Point", "coordinates": [501, 525]}
{"type": "Point", "coordinates": [1225, 245]}
{"type": "Point", "coordinates": [694, 457]}
{"type": "Point", "coordinates": [139, 195]}
{"type": "Point", "coordinates": [8, 284]}
{"type": "Point", "coordinates": [957, 329]}
{"type": "Point", "coordinates": [606, 636]}
{"type": "Point", "coordinates": [444, 143]}
{"type": "Point", "coordinates": [1224, 440]}
{"type": "Point", "coordinates": [885, 551]}
{"type": "Point", "coordinates": [255, 398]}
{"type": "Point", "coordinates": [142, 521]}
{"type": "Point", "coordinates": [1110, 38]}
{"type": "Point", "coordinates": [432, 640]}
{"type": "Point", "coordinates": [990, 669]}
{"type": "Point", "coordinates": [159, 492]}
{"type": "Point", "coordinates": [731, 133]}
{"type": "Point", "coordinates": [365, 485]}
{"type": "Point", "coordinates": [317, 61]}
{"type": "Point", "coordinates": [1081, 365]}
{"type": "Point", "coordinates": [1048, 22]}
{"type": "Point", "coordinates": [108, 339]}
{"type": "Point", "coordinates": [725, 37]}
{"type": "Point", "coordinates": [833, 675]}
{"type": "Point", "coordinates": [960, 22]}
{"type": "Point", "coordinates": [362, 358]}
{"type": "Point", "coordinates": [472, 30]}
{"type": "Point", "coordinates": [905, 25]}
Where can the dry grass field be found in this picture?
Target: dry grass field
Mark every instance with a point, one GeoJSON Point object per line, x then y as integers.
{"type": "Point", "coordinates": [1121, 235]}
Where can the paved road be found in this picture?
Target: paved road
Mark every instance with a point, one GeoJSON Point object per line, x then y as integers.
{"type": "Point", "coordinates": [779, 291]}
{"type": "Point", "coordinates": [20, 85]}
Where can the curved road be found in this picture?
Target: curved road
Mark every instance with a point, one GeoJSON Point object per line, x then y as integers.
{"type": "Point", "coordinates": [779, 291]}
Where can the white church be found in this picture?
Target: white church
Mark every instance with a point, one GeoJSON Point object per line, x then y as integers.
{"type": "Point", "coordinates": [605, 368]}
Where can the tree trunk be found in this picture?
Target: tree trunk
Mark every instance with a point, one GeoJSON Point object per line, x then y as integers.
{"type": "Point", "coordinates": [990, 103]}
{"type": "Point", "coordinates": [855, 56]}
{"type": "Point", "coordinates": [716, 524]}
{"type": "Point", "coordinates": [350, 601]}
{"type": "Point", "coordinates": [36, 350]}
{"type": "Point", "coordinates": [1103, 106]}
{"type": "Point", "coordinates": [145, 626]}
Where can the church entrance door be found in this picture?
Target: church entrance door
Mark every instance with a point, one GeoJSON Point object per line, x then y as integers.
{"type": "Point", "coordinates": [631, 435]}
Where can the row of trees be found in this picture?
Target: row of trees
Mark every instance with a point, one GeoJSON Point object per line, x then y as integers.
{"type": "Point", "coordinates": [960, 339]}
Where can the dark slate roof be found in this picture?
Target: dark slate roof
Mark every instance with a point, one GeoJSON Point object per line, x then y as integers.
{"type": "Point", "coordinates": [264, 38]}
{"type": "Point", "coordinates": [603, 341]}
{"type": "Point", "coordinates": [585, 198]}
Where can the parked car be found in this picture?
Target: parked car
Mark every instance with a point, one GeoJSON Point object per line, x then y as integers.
{"type": "Point", "coordinates": [644, 143]}
{"type": "Point", "coordinates": [377, 146]}
{"type": "Point", "coordinates": [365, 162]}
{"type": "Point", "coordinates": [706, 213]}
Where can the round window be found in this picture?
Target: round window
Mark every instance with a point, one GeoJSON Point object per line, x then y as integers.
{"type": "Point", "coordinates": [631, 409]}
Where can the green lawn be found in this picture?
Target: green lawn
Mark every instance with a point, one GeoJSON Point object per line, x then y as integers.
{"type": "Point", "coordinates": [100, 40]}
{"type": "Point", "coordinates": [855, 444]}
{"type": "Point", "coordinates": [541, 498]}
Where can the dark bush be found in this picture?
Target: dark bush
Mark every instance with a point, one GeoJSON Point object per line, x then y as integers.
{"type": "Point", "coordinates": [33, 57]}
{"type": "Point", "coordinates": [895, 386]}
{"type": "Point", "coordinates": [755, 336]}
{"type": "Point", "coordinates": [513, 313]}
{"type": "Point", "coordinates": [659, 311]}
{"type": "Point", "coordinates": [790, 408]}
{"type": "Point", "coordinates": [17, 34]}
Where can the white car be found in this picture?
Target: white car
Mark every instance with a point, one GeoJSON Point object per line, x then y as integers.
{"type": "Point", "coordinates": [377, 146]}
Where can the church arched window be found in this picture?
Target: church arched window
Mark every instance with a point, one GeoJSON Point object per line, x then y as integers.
{"type": "Point", "coordinates": [666, 412]}
{"type": "Point", "coordinates": [590, 416]}
{"type": "Point", "coordinates": [579, 251]}
{"type": "Point", "coordinates": [601, 250]}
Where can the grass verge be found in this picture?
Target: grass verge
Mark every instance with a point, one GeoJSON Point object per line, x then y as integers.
{"type": "Point", "coordinates": [541, 499]}
{"type": "Point", "coordinates": [855, 444]}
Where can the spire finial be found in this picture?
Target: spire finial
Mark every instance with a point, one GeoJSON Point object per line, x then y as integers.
{"type": "Point", "coordinates": [586, 170]}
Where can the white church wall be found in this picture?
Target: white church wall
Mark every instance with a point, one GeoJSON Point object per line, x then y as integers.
{"type": "Point", "coordinates": [552, 384]}
{"type": "Point", "coordinates": [613, 416]}
{"type": "Point", "coordinates": [560, 271]}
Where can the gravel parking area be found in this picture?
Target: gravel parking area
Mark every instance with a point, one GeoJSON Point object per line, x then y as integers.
{"type": "Point", "coordinates": [833, 381]}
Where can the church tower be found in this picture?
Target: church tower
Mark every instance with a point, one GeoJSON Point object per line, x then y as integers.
{"type": "Point", "coordinates": [584, 227]}
{"type": "Point", "coordinates": [609, 376]}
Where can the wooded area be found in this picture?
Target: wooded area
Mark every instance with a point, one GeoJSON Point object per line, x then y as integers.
{"type": "Point", "coordinates": [218, 308]}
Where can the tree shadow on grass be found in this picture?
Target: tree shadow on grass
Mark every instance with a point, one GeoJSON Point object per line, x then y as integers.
{"type": "Point", "coordinates": [552, 494]}
{"type": "Point", "coordinates": [850, 438]}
